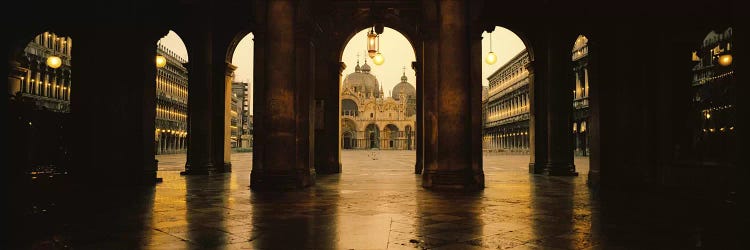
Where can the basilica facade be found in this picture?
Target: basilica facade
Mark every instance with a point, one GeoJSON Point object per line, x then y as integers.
{"type": "Point", "coordinates": [370, 119]}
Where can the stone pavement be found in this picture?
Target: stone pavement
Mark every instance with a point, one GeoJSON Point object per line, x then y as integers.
{"type": "Point", "coordinates": [374, 204]}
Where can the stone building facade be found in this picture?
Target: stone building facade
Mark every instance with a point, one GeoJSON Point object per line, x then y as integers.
{"type": "Point", "coordinates": [171, 103]}
{"type": "Point", "coordinates": [369, 119]}
{"type": "Point", "coordinates": [506, 107]}
{"type": "Point", "coordinates": [243, 121]}
{"type": "Point", "coordinates": [581, 110]}
{"type": "Point", "coordinates": [714, 99]}
{"type": "Point", "coordinates": [33, 81]}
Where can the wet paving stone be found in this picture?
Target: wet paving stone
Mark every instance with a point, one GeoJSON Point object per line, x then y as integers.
{"type": "Point", "coordinates": [373, 204]}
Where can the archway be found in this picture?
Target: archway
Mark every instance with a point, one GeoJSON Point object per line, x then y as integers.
{"type": "Point", "coordinates": [582, 111]}
{"type": "Point", "coordinates": [391, 137]}
{"type": "Point", "coordinates": [379, 96]}
{"type": "Point", "coordinates": [372, 134]}
{"type": "Point", "coordinates": [347, 143]}
{"type": "Point", "coordinates": [506, 99]}
{"type": "Point", "coordinates": [243, 87]}
{"type": "Point", "coordinates": [349, 108]}
{"type": "Point", "coordinates": [171, 95]}
{"type": "Point", "coordinates": [40, 104]}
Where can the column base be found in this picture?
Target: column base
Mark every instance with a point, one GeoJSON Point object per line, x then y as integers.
{"type": "Point", "coordinates": [536, 168]}
{"type": "Point", "coordinates": [559, 169]}
{"type": "Point", "coordinates": [594, 179]}
{"type": "Point", "coordinates": [225, 168]}
{"type": "Point", "coordinates": [261, 181]}
{"type": "Point", "coordinates": [461, 180]}
{"type": "Point", "coordinates": [197, 170]}
{"type": "Point", "coordinates": [328, 168]}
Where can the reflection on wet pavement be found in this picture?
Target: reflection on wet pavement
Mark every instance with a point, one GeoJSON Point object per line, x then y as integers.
{"type": "Point", "coordinates": [373, 204]}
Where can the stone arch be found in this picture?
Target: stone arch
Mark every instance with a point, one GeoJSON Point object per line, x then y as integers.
{"type": "Point", "coordinates": [372, 135]}
{"type": "Point", "coordinates": [349, 107]}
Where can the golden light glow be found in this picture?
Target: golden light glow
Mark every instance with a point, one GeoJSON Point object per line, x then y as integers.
{"type": "Point", "coordinates": [491, 58]}
{"type": "Point", "coordinates": [725, 60]}
{"type": "Point", "coordinates": [161, 61]}
{"type": "Point", "coordinates": [378, 59]}
{"type": "Point", "coordinates": [708, 115]}
{"type": "Point", "coordinates": [54, 62]}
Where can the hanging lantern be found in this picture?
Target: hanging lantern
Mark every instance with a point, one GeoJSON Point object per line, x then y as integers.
{"type": "Point", "coordinates": [54, 62]}
{"type": "Point", "coordinates": [491, 57]}
{"type": "Point", "coordinates": [372, 47]}
{"type": "Point", "coordinates": [161, 61]}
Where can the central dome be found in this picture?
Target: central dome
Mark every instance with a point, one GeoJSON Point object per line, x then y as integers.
{"type": "Point", "coordinates": [362, 81]}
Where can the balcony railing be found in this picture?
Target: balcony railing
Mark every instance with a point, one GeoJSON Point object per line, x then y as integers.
{"type": "Point", "coordinates": [581, 103]}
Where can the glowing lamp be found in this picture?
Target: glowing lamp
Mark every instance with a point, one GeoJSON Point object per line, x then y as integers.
{"type": "Point", "coordinates": [161, 61]}
{"type": "Point", "coordinates": [378, 59]}
{"type": "Point", "coordinates": [491, 58]}
{"type": "Point", "coordinates": [54, 62]}
{"type": "Point", "coordinates": [725, 60]}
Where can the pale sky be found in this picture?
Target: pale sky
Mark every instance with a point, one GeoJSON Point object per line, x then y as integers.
{"type": "Point", "coordinates": [396, 50]}
{"type": "Point", "coordinates": [243, 59]}
{"type": "Point", "coordinates": [174, 43]}
{"type": "Point", "coordinates": [505, 44]}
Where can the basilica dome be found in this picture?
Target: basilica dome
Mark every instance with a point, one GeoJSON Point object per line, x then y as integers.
{"type": "Point", "coordinates": [404, 87]}
{"type": "Point", "coordinates": [362, 81]}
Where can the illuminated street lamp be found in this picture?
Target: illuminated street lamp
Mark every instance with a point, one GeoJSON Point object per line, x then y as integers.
{"type": "Point", "coordinates": [161, 61]}
{"type": "Point", "coordinates": [54, 62]}
{"type": "Point", "coordinates": [378, 59]}
{"type": "Point", "coordinates": [725, 60]}
{"type": "Point", "coordinates": [491, 57]}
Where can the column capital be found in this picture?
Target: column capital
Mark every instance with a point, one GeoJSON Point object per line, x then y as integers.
{"type": "Point", "coordinates": [230, 68]}
{"type": "Point", "coordinates": [341, 66]}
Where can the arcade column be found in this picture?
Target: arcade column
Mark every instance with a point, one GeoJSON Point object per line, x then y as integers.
{"type": "Point", "coordinates": [287, 160]}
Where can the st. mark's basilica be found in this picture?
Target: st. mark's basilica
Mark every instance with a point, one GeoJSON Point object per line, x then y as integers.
{"type": "Point", "coordinates": [370, 118]}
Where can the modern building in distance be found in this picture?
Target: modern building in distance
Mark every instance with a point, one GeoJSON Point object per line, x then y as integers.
{"type": "Point", "coordinates": [714, 99]}
{"type": "Point", "coordinates": [34, 81]}
{"type": "Point", "coordinates": [241, 93]}
{"type": "Point", "coordinates": [506, 127]}
{"type": "Point", "coordinates": [369, 119]}
{"type": "Point", "coordinates": [171, 103]}
{"type": "Point", "coordinates": [581, 110]}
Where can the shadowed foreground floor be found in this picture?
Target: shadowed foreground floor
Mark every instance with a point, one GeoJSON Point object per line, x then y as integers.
{"type": "Point", "coordinates": [374, 204]}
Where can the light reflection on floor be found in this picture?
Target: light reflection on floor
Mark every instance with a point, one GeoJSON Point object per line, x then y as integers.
{"type": "Point", "coordinates": [373, 204]}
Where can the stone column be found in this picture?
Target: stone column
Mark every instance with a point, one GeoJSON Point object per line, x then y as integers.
{"type": "Point", "coordinates": [327, 135]}
{"type": "Point", "coordinates": [223, 75]}
{"type": "Point", "coordinates": [559, 113]}
{"type": "Point", "coordinates": [417, 142]}
{"type": "Point", "coordinates": [475, 104]}
{"type": "Point", "coordinates": [452, 166]}
{"type": "Point", "coordinates": [14, 78]}
{"type": "Point", "coordinates": [537, 114]}
{"type": "Point", "coordinates": [158, 143]}
{"type": "Point", "coordinates": [286, 161]}
{"type": "Point", "coordinates": [129, 110]}
{"type": "Point", "coordinates": [200, 110]}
